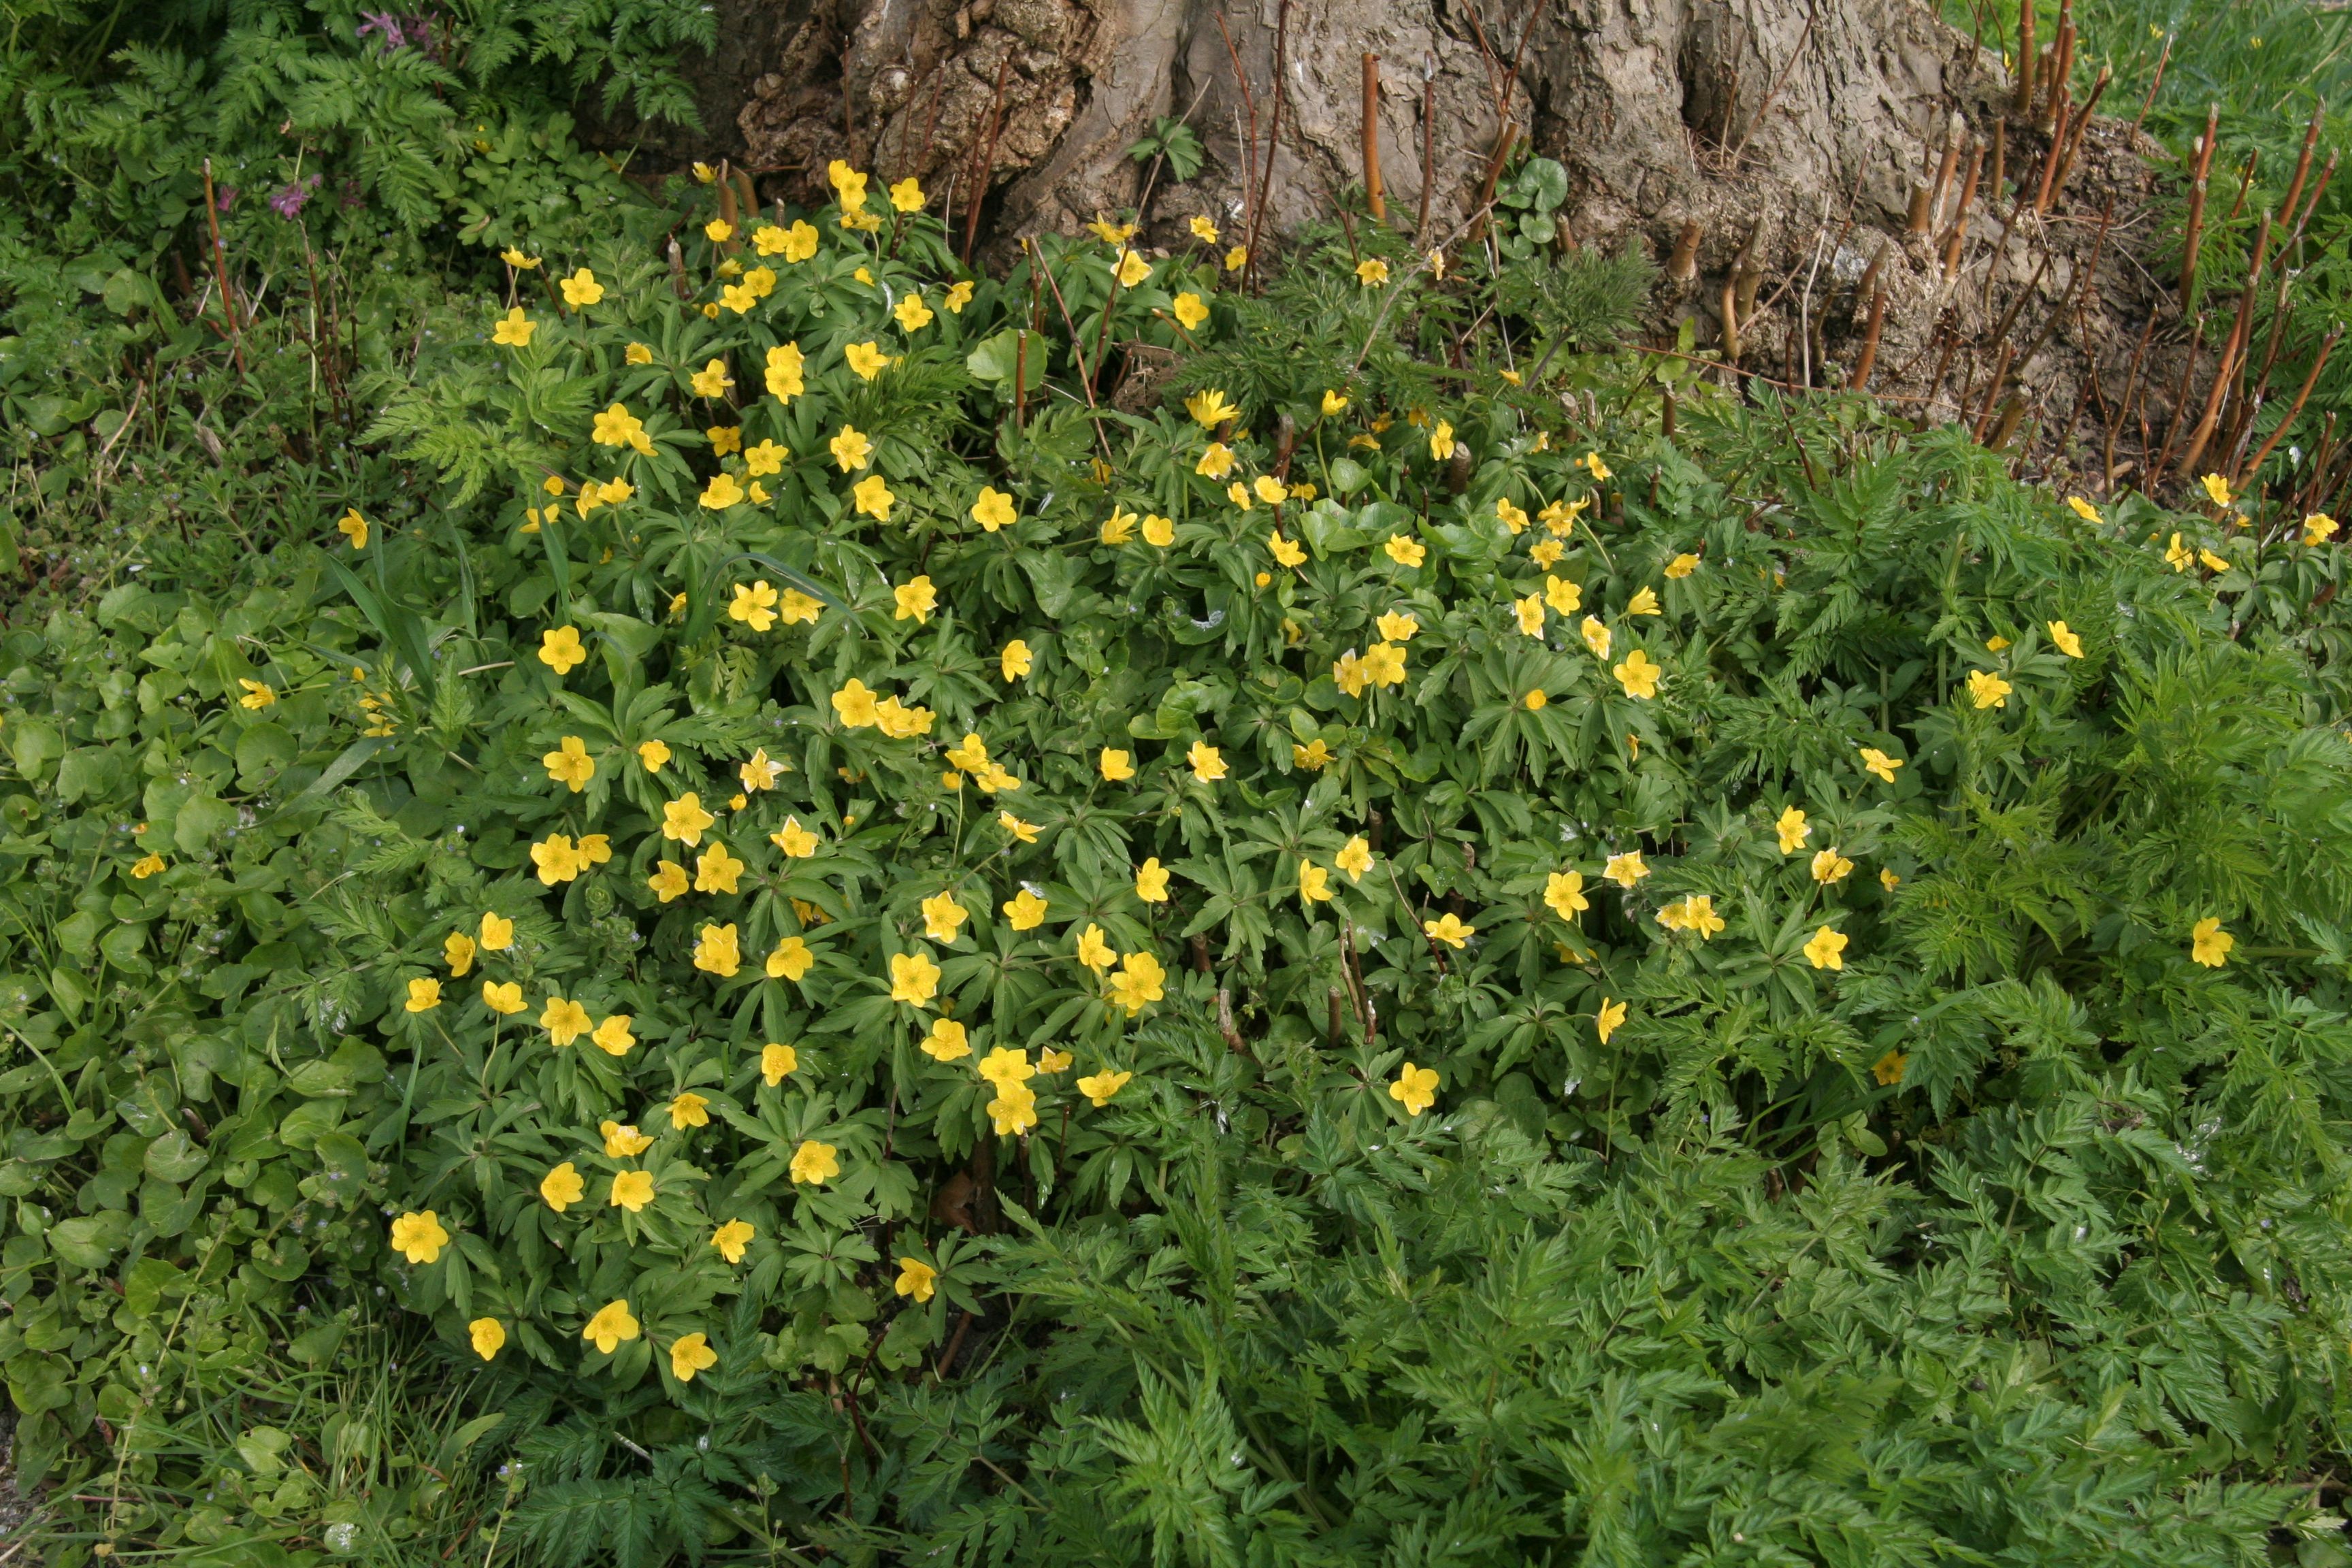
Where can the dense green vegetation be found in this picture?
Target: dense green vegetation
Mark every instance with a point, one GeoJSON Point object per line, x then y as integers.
{"type": "Point", "coordinates": [1412, 957]}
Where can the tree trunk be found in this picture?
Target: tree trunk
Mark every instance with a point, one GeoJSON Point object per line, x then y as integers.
{"type": "Point", "coordinates": [1794, 140]}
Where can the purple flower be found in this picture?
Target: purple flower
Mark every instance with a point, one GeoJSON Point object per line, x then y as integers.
{"type": "Point", "coordinates": [386, 23]}
{"type": "Point", "coordinates": [222, 195]}
{"type": "Point", "coordinates": [396, 31]}
{"type": "Point", "coordinates": [289, 203]}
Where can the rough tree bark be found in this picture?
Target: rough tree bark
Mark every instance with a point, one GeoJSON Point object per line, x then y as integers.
{"type": "Point", "coordinates": [1795, 135]}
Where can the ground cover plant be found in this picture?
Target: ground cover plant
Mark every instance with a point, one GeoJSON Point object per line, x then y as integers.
{"type": "Point", "coordinates": [1440, 946]}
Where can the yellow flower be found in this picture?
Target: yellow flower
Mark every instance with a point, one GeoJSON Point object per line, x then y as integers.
{"type": "Point", "coordinates": [1888, 879]}
{"type": "Point", "coordinates": [873, 497]}
{"type": "Point", "coordinates": [915, 600]}
{"type": "Point", "coordinates": [783, 371]}
{"type": "Point", "coordinates": [689, 1110]}
{"type": "Point", "coordinates": [1202, 230]}
{"type": "Point", "coordinates": [847, 182]}
{"type": "Point", "coordinates": [1793, 830]}
{"type": "Point", "coordinates": [797, 842]}
{"type": "Point", "coordinates": [581, 290]}
{"type": "Point", "coordinates": [419, 1237]}
{"type": "Point", "coordinates": [1314, 757]}
{"type": "Point", "coordinates": [943, 916]}
{"type": "Point", "coordinates": [1371, 272]}
{"type": "Point", "coordinates": [1190, 312]}
{"type": "Point", "coordinates": [513, 329]}
{"type": "Point", "coordinates": [724, 438]}
{"type": "Point", "coordinates": [1448, 929]}
{"type": "Point", "coordinates": [1237, 259]}
{"type": "Point", "coordinates": [517, 259]}
{"type": "Point", "coordinates": [570, 763]}
{"type": "Point", "coordinates": [2318, 527]}
{"type": "Point", "coordinates": [2212, 563]}
{"type": "Point", "coordinates": [637, 354]}
{"type": "Point", "coordinates": [791, 959]}
{"type": "Point", "coordinates": [1094, 952]}
{"type": "Point", "coordinates": [631, 1190]}
{"type": "Point", "coordinates": [147, 866]}
{"type": "Point", "coordinates": [1415, 1088]}
{"type": "Point", "coordinates": [2217, 488]}
{"type": "Point", "coordinates": [1100, 1087]}
{"type": "Point", "coordinates": [683, 819]}
{"type": "Point", "coordinates": [488, 1336]}
{"type": "Point", "coordinates": [1682, 566]}
{"type": "Point", "coordinates": [1879, 762]}
{"type": "Point", "coordinates": [1355, 857]}
{"type": "Point", "coordinates": [668, 881]}
{"type": "Point", "coordinates": [855, 704]}
{"type": "Point", "coordinates": [907, 196]}
{"type": "Point", "coordinates": [732, 1239]}
{"type": "Point", "coordinates": [1110, 233]}
{"type": "Point", "coordinates": [762, 770]}
{"type": "Point", "coordinates": [1238, 493]}
{"type": "Point", "coordinates": [1440, 441]}
{"type": "Point", "coordinates": [947, 1041]}
{"type": "Point", "coordinates": [958, 298]}
{"type": "Point", "coordinates": [2084, 510]}
{"type": "Point", "coordinates": [914, 978]}
{"type": "Point", "coordinates": [1536, 699]}
{"type": "Point", "coordinates": [1208, 764]}
{"type": "Point", "coordinates": [1159, 531]}
{"type": "Point", "coordinates": [1826, 950]}
{"type": "Point", "coordinates": [711, 380]}
{"type": "Point", "coordinates": [558, 859]}
{"type": "Point", "coordinates": [1274, 492]}
{"type": "Point", "coordinates": [1644, 602]}
{"type": "Point", "coordinates": [1530, 614]}
{"type": "Point", "coordinates": [611, 1327]}
{"type": "Point", "coordinates": [1599, 470]}
{"type": "Point", "coordinates": [1566, 598]}
{"type": "Point", "coordinates": [1132, 269]}
{"type": "Point", "coordinates": [915, 1280]}
{"type": "Point", "coordinates": [1014, 1110]}
{"type": "Point", "coordinates": [457, 953]}
{"type": "Point", "coordinates": [777, 1063]}
{"type": "Point", "coordinates": [1626, 869]}
{"type": "Point", "coordinates": [2177, 557]}
{"type": "Point", "coordinates": [1138, 983]}
{"type": "Point", "coordinates": [912, 314]}
{"type": "Point", "coordinates": [2209, 945]}
{"type": "Point", "coordinates": [2067, 642]}
{"type": "Point", "coordinates": [507, 998]}
{"type": "Point", "coordinates": [1025, 910]}
{"type": "Point", "coordinates": [1210, 409]}
{"type": "Point", "coordinates": [560, 649]}
{"type": "Point", "coordinates": [993, 510]}
{"type": "Point", "coordinates": [1115, 764]}
{"type": "Point", "coordinates": [866, 359]}
{"type": "Point", "coordinates": [1989, 690]}
{"type": "Point", "coordinates": [563, 1021]}
{"type": "Point", "coordinates": [1285, 552]}
{"type": "Point", "coordinates": [715, 871]}
{"type": "Point", "coordinates": [652, 754]}
{"type": "Point", "coordinates": [1024, 831]}
{"type": "Point", "coordinates": [257, 695]}
{"type": "Point", "coordinates": [1638, 676]}
{"type": "Point", "coordinates": [798, 607]}
{"type": "Point", "coordinates": [1005, 1066]}
{"type": "Point", "coordinates": [622, 1141]}
{"type": "Point", "coordinates": [1564, 893]}
{"type": "Point", "coordinates": [1383, 664]}
{"type": "Point", "coordinates": [613, 1037]}
{"type": "Point", "coordinates": [1610, 1019]}
{"type": "Point", "coordinates": [722, 492]}
{"type": "Point", "coordinates": [423, 995]}
{"type": "Point", "coordinates": [1404, 550]}
{"type": "Point", "coordinates": [1513, 517]}
{"type": "Point", "coordinates": [754, 603]}
{"type": "Point", "coordinates": [1313, 884]}
{"type": "Point", "coordinates": [1216, 462]}
{"type": "Point", "coordinates": [815, 1163]}
{"type": "Point", "coordinates": [715, 951]}
{"type": "Point", "coordinates": [1830, 867]}
{"type": "Point", "coordinates": [1888, 1069]}
{"type": "Point", "coordinates": [1695, 913]}
{"type": "Point", "coordinates": [1560, 517]}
